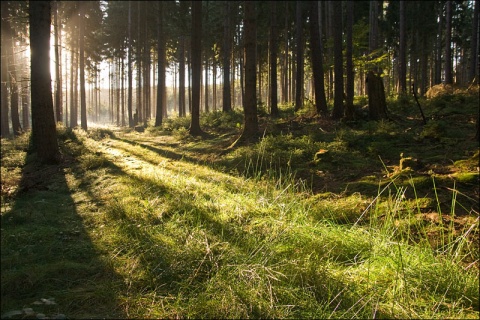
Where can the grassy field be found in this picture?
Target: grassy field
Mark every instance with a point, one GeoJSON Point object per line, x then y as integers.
{"type": "Point", "coordinates": [317, 220]}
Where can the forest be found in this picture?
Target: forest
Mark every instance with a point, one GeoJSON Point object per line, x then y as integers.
{"type": "Point", "coordinates": [240, 159]}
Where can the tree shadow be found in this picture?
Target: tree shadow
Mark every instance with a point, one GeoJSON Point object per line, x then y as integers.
{"type": "Point", "coordinates": [48, 253]}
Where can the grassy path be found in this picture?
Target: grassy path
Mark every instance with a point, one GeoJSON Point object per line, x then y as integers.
{"type": "Point", "coordinates": [145, 231]}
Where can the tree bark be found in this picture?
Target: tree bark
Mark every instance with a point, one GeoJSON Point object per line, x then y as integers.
{"type": "Point", "coordinates": [438, 48]}
{"type": "Point", "coordinates": [196, 55]}
{"type": "Point", "coordinates": [161, 90]}
{"type": "Point", "coordinates": [17, 129]}
{"type": "Point", "coordinates": [250, 127]}
{"type": "Point", "coordinates": [73, 82]}
{"type": "Point", "coordinates": [44, 136]}
{"type": "Point", "coordinates": [181, 76]}
{"type": "Point", "coordinates": [317, 61]}
{"type": "Point", "coordinates": [83, 102]}
{"type": "Point", "coordinates": [338, 110]}
{"type": "Point", "coordinates": [273, 60]}
{"type": "Point", "coordinates": [448, 44]}
{"type": "Point", "coordinates": [473, 70]}
{"type": "Point", "coordinates": [300, 61]}
{"type": "Point", "coordinates": [377, 105]}
{"type": "Point", "coordinates": [349, 108]}
{"type": "Point", "coordinates": [130, 47]}
{"type": "Point", "coordinates": [402, 65]}
{"type": "Point", "coordinates": [227, 101]}
{"type": "Point", "coordinates": [4, 123]}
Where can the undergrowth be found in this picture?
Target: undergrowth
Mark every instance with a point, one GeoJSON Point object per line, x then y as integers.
{"type": "Point", "coordinates": [304, 224]}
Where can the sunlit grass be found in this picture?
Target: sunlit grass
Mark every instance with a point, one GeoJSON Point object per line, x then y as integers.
{"type": "Point", "coordinates": [134, 227]}
{"type": "Point", "coordinates": [252, 248]}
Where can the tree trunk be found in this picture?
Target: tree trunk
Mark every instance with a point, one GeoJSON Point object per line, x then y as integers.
{"type": "Point", "coordinates": [83, 102]}
{"type": "Point", "coordinates": [58, 73]}
{"type": "Point", "coordinates": [130, 84]}
{"type": "Point", "coordinates": [273, 60]}
{"type": "Point", "coordinates": [181, 76]}
{"type": "Point", "coordinates": [402, 65]}
{"type": "Point", "coordinates": [123, 91]}
{"type": "Point", "coordinates": [317, 61]}
{"type": "Point", "coordinates": [117, 90]}
{"type": "Point", "coordinates": [73, 76]}
{"type": "Point", "coordinates": [146, 65]}
{"type": "Point", "coordinates": [349, 108]}
{"type": "Point", "coordinates": [438, 47]}
{"type": "Point", "coordinates": [17, 129]}
{"type": "Point", "coordinates": [4, 123]}
{"type": "Point", "coordinates": [214, 86]}
{"type": "Point", "coordinates": [338, 110]}
{"type": "Point", "coordinates": [161, 90]}
{"type": "Point", "coordinates": [196, 55]}
{"type": "Point", "coordinates": [473, 70]}
{"type": "Point", "coordinates": [227, 101]}
{"type": "Point", "coordinates": [250, 127]}
{"type": "Point", "coordinates": [377, 104]}
{"type": "Point", "coordinates": [300, 61]}
{"type": "Point", "coordinates": [207, 108]}
{"type": "Point", "coordinates": [285, 59]}
{"type": "Point", "coordinates": [448, 44]}
{"type": "Point", "coordinates": [44, 136]}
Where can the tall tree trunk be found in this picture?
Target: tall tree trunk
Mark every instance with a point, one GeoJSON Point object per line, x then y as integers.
{"type": "Point", "coordinates": [4, 123]}
{"type": "Point", "coordinates": [402, 65]}
{"type": "Point", "coordinates": [473, 69]}
{"type": "Point", "coordinates": [227, 40]}
{"type": "Point", "coordinates": [207, 109]}
{"type": "Point", "coordinates": [214, 86]}
{"type": "Point", "coordinates": [161, 90]}
{"type": "Point", "coordinates": [123, 91]}
{"type": "Point", "coordinates": [146, 65]}
{"type": "Point", "coordinates": [285, 59]}
{"type": "Point", "coordinates": [189, 68]}
{"type": "Point", "coordinates": [349, 108]}
{"type": "Point", "coordinates": [139, 109]}
{"type": "Point", "coordinates": [232, 80]}
{"type": "Point", "coordinates": [250, 125]}
{"type": "Point", "coordinates": [73, 82]}
{"type": "Point", "coordinates": [44, 135]}
{"type": "Point", "coordinates": [196, 55]}
{"type": "Point", "coordinates": [300, 61]}
{"type": "Point", "coordinates": [273, 60]}
{"type": "Point", "coordinates": [66, 116]}
{"type": "Point", "coordinates": [17, 129]}
{"type": "Point", "coordinates": [375, 87]}
{"type": "Point", "coordinates": [83, 102]}
{"type": "Point", "coordinates": [117, 89]}
{"type": "Point", "coordinates": [242, 74]}
{"type": "Point", "coordinates": [58, 74]}
{"type": "Point", "coordinates": [181, 76]}
{"type": "Point", "coordinates": [338, 110]}
{"type": "Point", "coordinates": [438, 47]}
{"type": "Point", "coordinates": [317, 60]}
{"type": "Point", "coordinates": [448, 44]}
{"type": "Point", "coordinates": [130, 84]}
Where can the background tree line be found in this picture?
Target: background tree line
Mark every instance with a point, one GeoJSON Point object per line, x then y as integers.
{"type": "Point", "coordinates": [316, 54]}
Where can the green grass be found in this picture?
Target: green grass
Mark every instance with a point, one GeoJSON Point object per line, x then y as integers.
{"type": "Point", "coordinates": [163, 225]}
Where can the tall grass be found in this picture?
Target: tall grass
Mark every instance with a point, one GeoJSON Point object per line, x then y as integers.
{"type": "Point", "coordinates": [170, 238]}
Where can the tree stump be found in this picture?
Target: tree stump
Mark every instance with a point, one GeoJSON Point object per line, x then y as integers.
{"type": "Point", "coordinates": [377, 104]}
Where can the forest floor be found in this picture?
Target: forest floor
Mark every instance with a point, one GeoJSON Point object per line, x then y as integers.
{"type": "Point", "coordinates": [319, 219]}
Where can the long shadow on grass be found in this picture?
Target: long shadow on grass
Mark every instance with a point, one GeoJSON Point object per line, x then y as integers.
{"type": "Point", "coordinates": [166, 269]}
{"type": "Point", "coordinates": [162, 152]}
{"type": "Point", "coordinates": [48, 253]}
